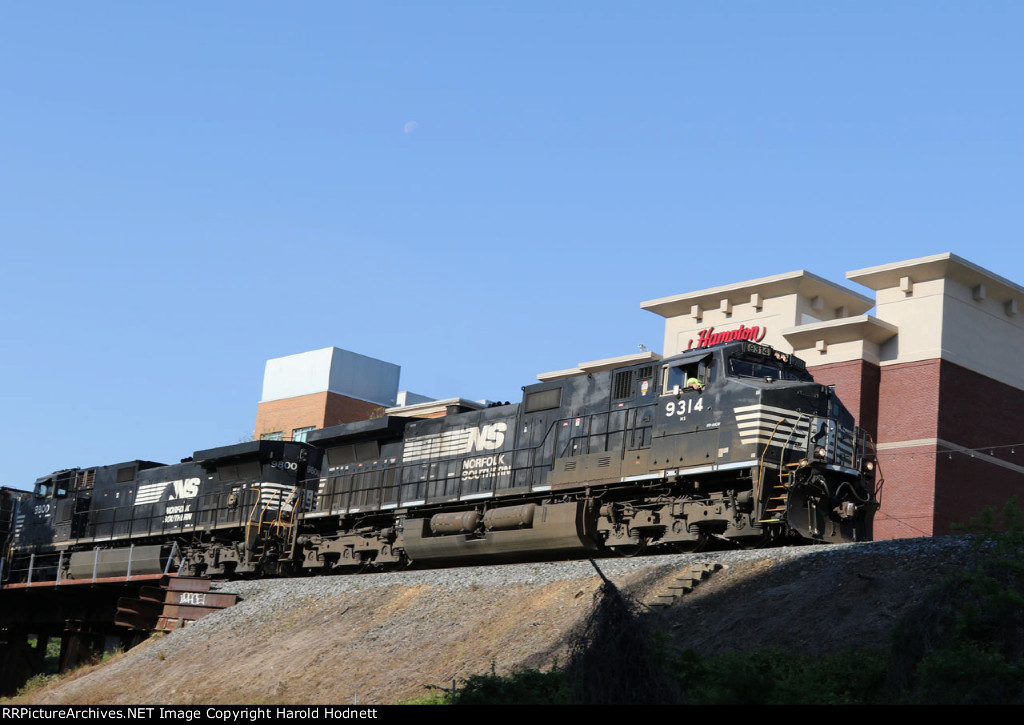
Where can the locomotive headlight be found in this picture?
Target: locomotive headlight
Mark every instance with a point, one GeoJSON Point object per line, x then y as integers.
{"type": "Point", "coordinates": [820, 452]}
{"type": "Point", "coordinates": [869, 467]}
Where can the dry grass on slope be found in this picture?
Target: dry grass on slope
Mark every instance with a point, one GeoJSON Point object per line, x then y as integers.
{"type": "Point", "coordinates": [375, 646]}
{"type": "Point", "coordinates": [382, 640]}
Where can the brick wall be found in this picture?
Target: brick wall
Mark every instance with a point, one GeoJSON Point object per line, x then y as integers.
{"type": "Point", "coordinates": [909, 401]}
{"type": "Point", "coordinates": [908, 411]}
{"type": "Point", "coordinates": [928, 486]}
{"type": "Point", "coordinates": [856, 383]}
{"type": "Point", "coordinates": [317, 409]}
{"type": "Point", "coordinates": [340, 409]}
{"type": "Point", "coordinates": [986, 416]}
{"type": "Point", "coordinates": [907, 496]}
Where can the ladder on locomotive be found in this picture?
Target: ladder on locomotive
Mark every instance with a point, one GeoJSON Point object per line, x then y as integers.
{"type": "Point", "coordinates": [259, 529]}
{"type": "Point", "coordinates": [779, 499]}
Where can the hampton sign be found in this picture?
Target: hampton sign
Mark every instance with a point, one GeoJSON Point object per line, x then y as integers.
{"type": "Point", "coordinates": [708, 336]}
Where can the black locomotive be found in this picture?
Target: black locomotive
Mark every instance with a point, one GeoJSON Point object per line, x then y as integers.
{"type": "Point", "coordinates": [229, 510]}
{"type": "Point", "coordinates": [734, 443]}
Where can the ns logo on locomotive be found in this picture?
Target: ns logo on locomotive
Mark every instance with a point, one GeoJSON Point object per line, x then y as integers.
{"type": "Point", "coordinates": [732, 442]}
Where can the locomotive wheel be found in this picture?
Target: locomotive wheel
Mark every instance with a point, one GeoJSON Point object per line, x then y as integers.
{"type": "Point", "coordinates": [628, 551]}
{"type": "Point", "coordinates": [702, 543]}
{"type": "Point", "coordinates": [755, 542]}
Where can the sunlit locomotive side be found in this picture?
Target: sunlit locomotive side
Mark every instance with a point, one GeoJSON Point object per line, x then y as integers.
{"type": "Point", "coordinates": [735, 443]}
{"type": "Point", "coordinates": [228, 510]}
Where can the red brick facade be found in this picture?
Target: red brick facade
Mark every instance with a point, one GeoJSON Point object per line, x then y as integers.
{"type": "Point", "coordinates": [908, 419]}
{"type": "Point", "coordinates": [317, 410]}
{"type": "Point", "coordinates": [983, 416]}
{"type": "Point", "coordinates": [946, 436]}
{"type": "Point", "coordinates": [856, 384]}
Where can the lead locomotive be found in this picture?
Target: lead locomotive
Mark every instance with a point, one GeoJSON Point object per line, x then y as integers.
{"type": "Point", "coordinates": [734, 442]}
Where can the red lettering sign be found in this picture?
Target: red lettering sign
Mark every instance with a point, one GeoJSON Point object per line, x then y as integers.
{"type": "Point", "coordinates": [708, 336]}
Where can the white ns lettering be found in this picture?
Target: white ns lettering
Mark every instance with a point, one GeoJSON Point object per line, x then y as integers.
{"type": "Point", "coordinates": [187, 488]}
{"type": "Point", "coordinates": [488, 437]}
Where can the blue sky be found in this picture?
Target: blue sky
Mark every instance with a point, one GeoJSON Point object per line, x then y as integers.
{"type": "Point", "coordinates": [477, 192]}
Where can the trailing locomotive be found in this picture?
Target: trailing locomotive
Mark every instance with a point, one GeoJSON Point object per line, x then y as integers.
{"type": "Point", "coordinates": [225, 511]}
{"type": "Point", "coordinates": [734, 442]}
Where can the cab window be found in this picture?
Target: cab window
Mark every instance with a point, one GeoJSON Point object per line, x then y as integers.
{"type": "Point", "coordinates": [693, 376]}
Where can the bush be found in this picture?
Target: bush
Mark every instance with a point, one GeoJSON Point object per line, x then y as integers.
{"type": "Point", "coordinates": [522, 687]}
{"type": "Point", "coordinates": [781, 678]}
{"type": "Point", "coordinates": [964, 643]}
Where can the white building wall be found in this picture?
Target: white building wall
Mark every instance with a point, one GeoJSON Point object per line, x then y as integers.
{"type": "Point", "coordinates": [334, 370]}
{"type": "Point", "coordinates": [980, 335]}
{"type": "Point", "coordinates": [919, 317]}
{"type": "Point", "coordinates": [776, 313]}
{"type": "Point", "coordinates": [947, 307]}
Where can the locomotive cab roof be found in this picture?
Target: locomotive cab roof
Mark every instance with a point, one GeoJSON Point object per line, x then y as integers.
{"type": "Point", "coordinates": [751, 360]}
{"type": "Point", "coordinates": [262, 450]}
{"type": "Point", "coordinates": [59, 483]}
{"type": "Point", "coordinates": [742, 359]}
{"type": "Point", "coordinates": [741, 348]}
{"type": "Point", "coordinates": [375, 428]}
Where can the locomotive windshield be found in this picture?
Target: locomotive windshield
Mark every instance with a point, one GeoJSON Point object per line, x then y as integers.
{"type": "Point", "coordinates": [761, 361]}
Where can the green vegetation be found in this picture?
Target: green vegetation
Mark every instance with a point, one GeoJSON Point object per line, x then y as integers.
{"type": "Point", "coordinates": [766, 678]}
{"type": "Point", "coordinates": [51, 658]}
{"type": "Point", "coordinates": [523, 687]}
{"type": "Point", "coordinates": [51, 674]}
{"type": "Point", "coordinates": [437, 696]}
{"type": "Point", "coordinates": [36, 682]}
{"type": "Point", "coordinates": [962, 645]}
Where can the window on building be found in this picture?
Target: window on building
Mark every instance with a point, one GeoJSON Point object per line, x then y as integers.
{"type": "Point", "coordinates": [277, 435]}
{"type": "Point", "coordinates": [299, 434]}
